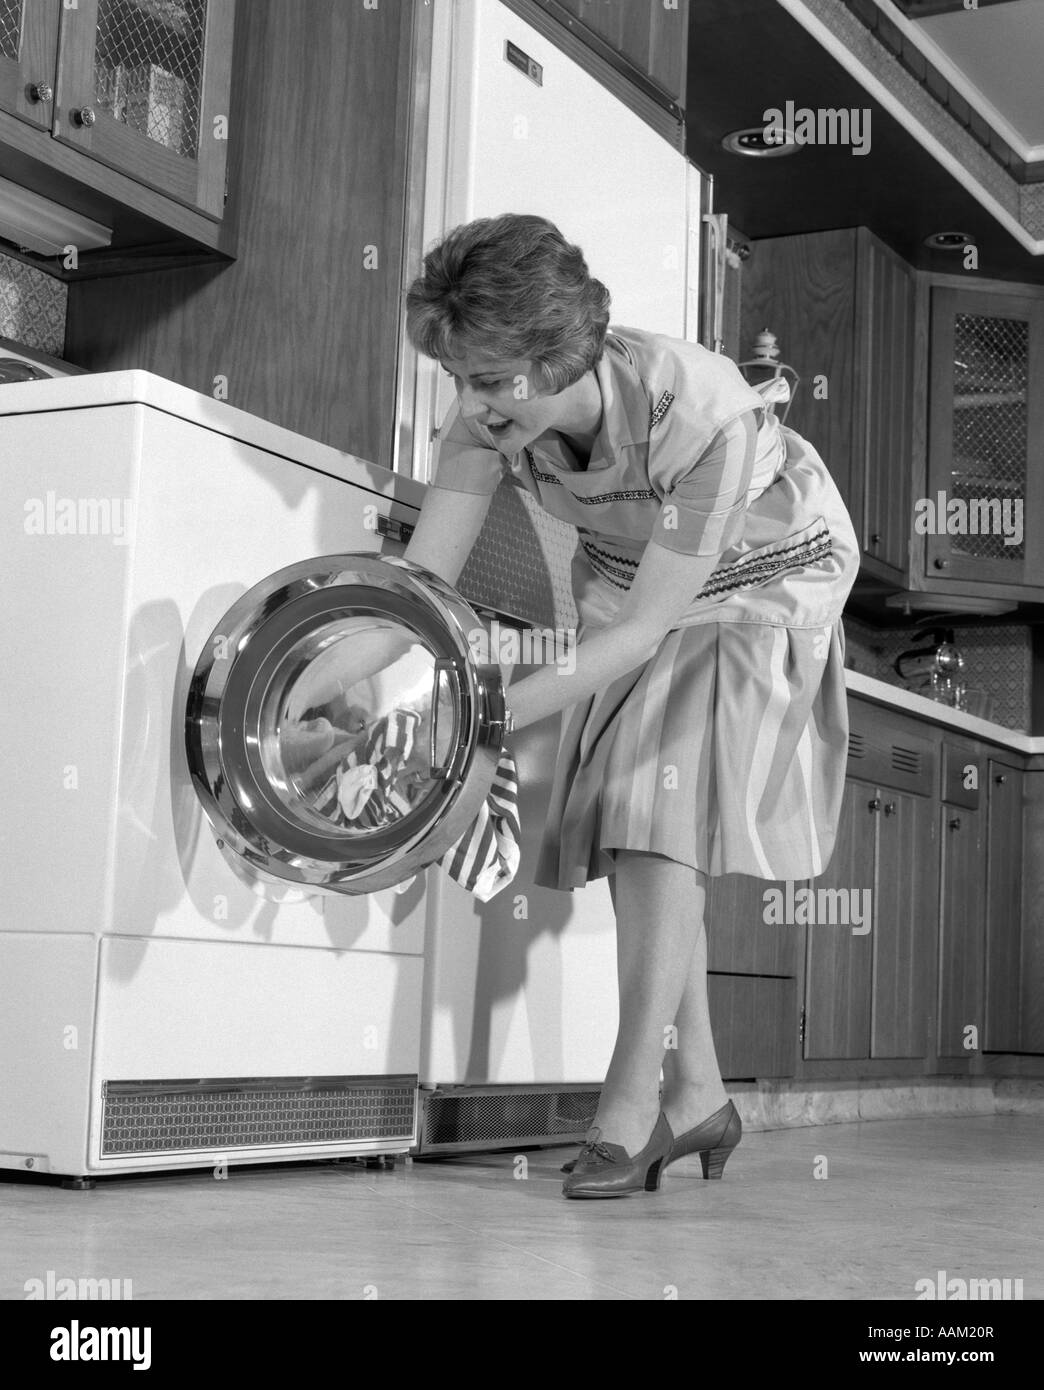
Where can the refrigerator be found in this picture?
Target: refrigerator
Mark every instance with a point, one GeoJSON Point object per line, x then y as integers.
{"type": "Point", "coordinates": [520, 994]}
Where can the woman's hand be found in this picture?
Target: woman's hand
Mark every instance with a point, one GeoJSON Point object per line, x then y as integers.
{"type": "Point", "coordinates": [665, 584]}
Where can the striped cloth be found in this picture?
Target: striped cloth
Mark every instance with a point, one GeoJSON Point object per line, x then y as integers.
{"type": "Point", "coordinates": [371, 786]}
{"type": "Point", "coordinates": [485, 859]}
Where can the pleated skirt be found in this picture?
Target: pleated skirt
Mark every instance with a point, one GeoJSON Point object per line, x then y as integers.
{"type": "Point", "coordinates": [726, 752]}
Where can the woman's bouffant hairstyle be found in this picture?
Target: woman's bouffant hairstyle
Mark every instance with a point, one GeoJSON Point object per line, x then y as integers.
{"type": "Point", "coordinates": [510, 286]}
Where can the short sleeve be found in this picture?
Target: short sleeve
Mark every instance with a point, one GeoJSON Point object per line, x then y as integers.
{"type": "Point", "coordinates": [463, 462]}
{"type": "Point", "coordinates": [704, 506]}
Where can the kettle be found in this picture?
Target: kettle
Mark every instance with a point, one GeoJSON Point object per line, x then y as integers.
{"type": "Point", "coordinates": [936, 669]}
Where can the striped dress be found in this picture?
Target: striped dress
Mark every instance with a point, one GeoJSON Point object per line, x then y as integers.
{"type": "Point", "coordinates": [726, 751]}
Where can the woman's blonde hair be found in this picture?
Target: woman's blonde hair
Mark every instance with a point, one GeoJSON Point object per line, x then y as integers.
{"type": "Point", "coordinates": [510, 286]}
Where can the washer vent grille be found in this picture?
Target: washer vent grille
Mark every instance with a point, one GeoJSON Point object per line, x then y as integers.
{"type": "Point", "coordinates": [255, 1112]}
{"type": "Point", "coordinates": [505, 1117]}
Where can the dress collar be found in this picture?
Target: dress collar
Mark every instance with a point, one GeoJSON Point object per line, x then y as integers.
{"type": "Point", "coordinates": [625, 413]}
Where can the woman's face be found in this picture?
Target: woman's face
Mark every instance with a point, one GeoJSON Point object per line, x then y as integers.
{"type": "Point", "coordinates": [506, 396]}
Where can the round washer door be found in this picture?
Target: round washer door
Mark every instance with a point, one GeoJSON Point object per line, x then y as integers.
{"type": "Point", "coordinates": [340, 732]}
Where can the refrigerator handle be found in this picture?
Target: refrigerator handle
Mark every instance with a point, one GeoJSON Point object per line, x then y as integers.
{"type": "Point", "coordinates": [717, 252]}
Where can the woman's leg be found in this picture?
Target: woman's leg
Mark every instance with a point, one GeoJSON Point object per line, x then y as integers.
{"type": "Point", "coordinates": [659, 921]}
{"type": "Point", "coordinates": [692, 1088]}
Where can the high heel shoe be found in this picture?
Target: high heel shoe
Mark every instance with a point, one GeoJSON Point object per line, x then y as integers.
{"type": "Point", "coordinates": [608, 1170]}
{"type": "Point", "coordinates": [713, 1140]}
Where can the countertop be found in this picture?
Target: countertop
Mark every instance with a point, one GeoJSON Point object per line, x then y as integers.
{"type": "Point", "coordinates": [895, 697]}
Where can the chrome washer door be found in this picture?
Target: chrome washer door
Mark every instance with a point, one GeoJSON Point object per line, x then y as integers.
{"type": "Point", "coordinates": [340, 733]}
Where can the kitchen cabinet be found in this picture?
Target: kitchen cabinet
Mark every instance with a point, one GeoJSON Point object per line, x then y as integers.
{"type": "Point", "coordinates": [751, 982]}
{"type": "Point", "coordinates": [1004, 1024]}
{"type": "Point", "coordinates": [649, 38]}
{"type": "Point", "coordinates": [844, 309]}
{"type": "Point", "coordinates": [135, 84]}
{"type": "Point", "coordinates": [985, 433]}
{"type": "Point", "coordinates": [119, 111]}
{"type": "Point", "coordinates": [868, 992]}
{"type": "Point", "coordinates": [28, 58]}
{"type": "Point", "coordinates": [962, 906]}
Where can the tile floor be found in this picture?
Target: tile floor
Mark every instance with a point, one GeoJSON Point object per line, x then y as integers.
{"type": "Point", "coordinates": [902, 1199]}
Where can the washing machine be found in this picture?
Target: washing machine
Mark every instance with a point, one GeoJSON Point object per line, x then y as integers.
{"type": "Point", "coordinates": [207, 956]}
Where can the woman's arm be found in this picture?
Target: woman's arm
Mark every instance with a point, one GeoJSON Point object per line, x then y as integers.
{"type": "Point", "coordinates": [702, 515]}
{"type": "Point", "coordinates": [446, 530]}
{"type": "Point", "coordinates": [664, 586]}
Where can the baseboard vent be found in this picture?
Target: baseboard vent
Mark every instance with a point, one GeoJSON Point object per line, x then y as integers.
{"type": "Point", "coordinates": [456, 1119]}
{"type": "Point", "coordinates": [149, 1117]}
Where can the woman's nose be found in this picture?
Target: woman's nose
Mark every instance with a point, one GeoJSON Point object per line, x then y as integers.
{"type": "Point", "coordinates": [471, 403]}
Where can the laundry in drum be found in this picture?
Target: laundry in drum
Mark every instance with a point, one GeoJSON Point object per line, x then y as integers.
{"type": "Point", "coordinates": [355, 724]}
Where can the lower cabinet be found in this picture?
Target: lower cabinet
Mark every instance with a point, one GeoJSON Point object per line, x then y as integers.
{"type": "Point", "coordinates": [751, 985]}
{"type": "Point", "coordinates": [921, 943]}
{"type": "Point", "coordinates": [962, 933]}
{"type": "Point", "coordinates": [839, 960]}
{"type": "Point", "coordinates": [868, 980]}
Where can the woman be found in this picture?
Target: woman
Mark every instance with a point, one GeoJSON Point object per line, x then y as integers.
{"type": "Point", "coordinates": [708, 728]}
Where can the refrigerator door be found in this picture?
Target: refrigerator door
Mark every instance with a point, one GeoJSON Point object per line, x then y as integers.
{"type": "Point", "coordinates": [563, 147]}
{"type": "Point", "coordinates": [341, 732]}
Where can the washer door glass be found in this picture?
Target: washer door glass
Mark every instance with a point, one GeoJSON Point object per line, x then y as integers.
{"type": "Point", "coordinates": [339, 731]}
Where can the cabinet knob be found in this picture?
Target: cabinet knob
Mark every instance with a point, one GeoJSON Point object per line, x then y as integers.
{"type": "Point", "coordinates": [84, 116]}
{"type": "Point", "coordinates": [874, 805]}
{"type": "Point", "coordinates": [40, 91]}
{"type": "Point", "coordinates": [875, 539]}
{"type": "Point", "coordinates": [941, 564]}
{"type": "Point", "coordinates": [1000, 779]}
{"type": "Point", "coordinates": [889, 809]}
{"type": "Point", "coordinates": [955, 824]}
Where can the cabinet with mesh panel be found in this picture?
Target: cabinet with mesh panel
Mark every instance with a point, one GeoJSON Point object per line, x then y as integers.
{"type": "Point", "coordinates": [984, 511]}
{"type": "Point", "coordinates": [142, 86]}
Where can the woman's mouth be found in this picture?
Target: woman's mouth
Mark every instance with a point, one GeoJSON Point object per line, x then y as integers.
{"type": "Point", "coordinates": [499, 428]}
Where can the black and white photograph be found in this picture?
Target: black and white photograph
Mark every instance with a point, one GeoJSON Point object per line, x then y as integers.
{"type": "Point", "coordinates": [523, 647]}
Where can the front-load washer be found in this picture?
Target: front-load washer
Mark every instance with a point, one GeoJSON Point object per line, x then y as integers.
{"type": "Point", "coordinates": [199, 965]}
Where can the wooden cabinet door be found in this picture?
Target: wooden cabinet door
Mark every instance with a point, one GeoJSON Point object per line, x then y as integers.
{"type": "Point", "coordinates": [28, 58]}
{"type": "Point", "coordinates": [754, 1022]}
{"type": "Point", "coordinates": [962, 931]}
{"type": "Point", "coordinates": [144, 86]}
{"type": "Point", "coordinates": [906, 906]}
{"type": "Point", "coordinates": [740, 941]}
{"type": "Point", "coordinates": [885, 353]}
{"type": "Point", "coordinates": [1031, 965]}
{"type": "Point", "coordinates": [986, 439]}
{"type": "Point", "coordinates": [838, 962]}
{"type": "Point", "coordinates": [1003, 1024]}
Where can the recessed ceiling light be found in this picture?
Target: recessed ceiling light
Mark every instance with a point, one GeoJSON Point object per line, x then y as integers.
{"type": "Point", "coordinates": [949, 241]}
{"type": "Point", "coordinates": [761, 142]}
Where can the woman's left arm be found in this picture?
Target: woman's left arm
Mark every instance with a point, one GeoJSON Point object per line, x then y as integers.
{"type": "Point", "coordinates": [702, 515]}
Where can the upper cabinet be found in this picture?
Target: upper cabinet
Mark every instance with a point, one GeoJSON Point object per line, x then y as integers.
{"type": "Point", "coordinates": [117, 112]}
{"type": "Point", "coordinates": [844, 309]}
{"type": "Point", "coordinates": [985, 438]}
{"type": "Point", "coordinates": [139, 85]}
{"type": "Point", "coordinates": [29, 58]}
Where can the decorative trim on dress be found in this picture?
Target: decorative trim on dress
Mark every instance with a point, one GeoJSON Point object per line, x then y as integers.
{"type": "Point", "coordinates": [662, 407]}
{"type": "Point", "coordinates": [600, 498]}
{"type": "Point", "coordinates": [618, 570]}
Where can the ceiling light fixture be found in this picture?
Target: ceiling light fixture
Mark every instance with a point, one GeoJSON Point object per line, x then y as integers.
{"type": "Point", "coordinates": [36, 224]}
{"type": "Point", "coordinates": [761, 142]}
{"type": "Point", "coordinates": [949, 241]}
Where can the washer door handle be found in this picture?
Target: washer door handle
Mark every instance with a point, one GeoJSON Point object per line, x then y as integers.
{"type": "Point", "coordinates": [442, 665]}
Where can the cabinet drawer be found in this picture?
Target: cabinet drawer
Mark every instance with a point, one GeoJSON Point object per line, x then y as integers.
{"type": "Point", "coordinates": [882, 751]}
{"type": "Point", "coordinates": [964, 766]}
